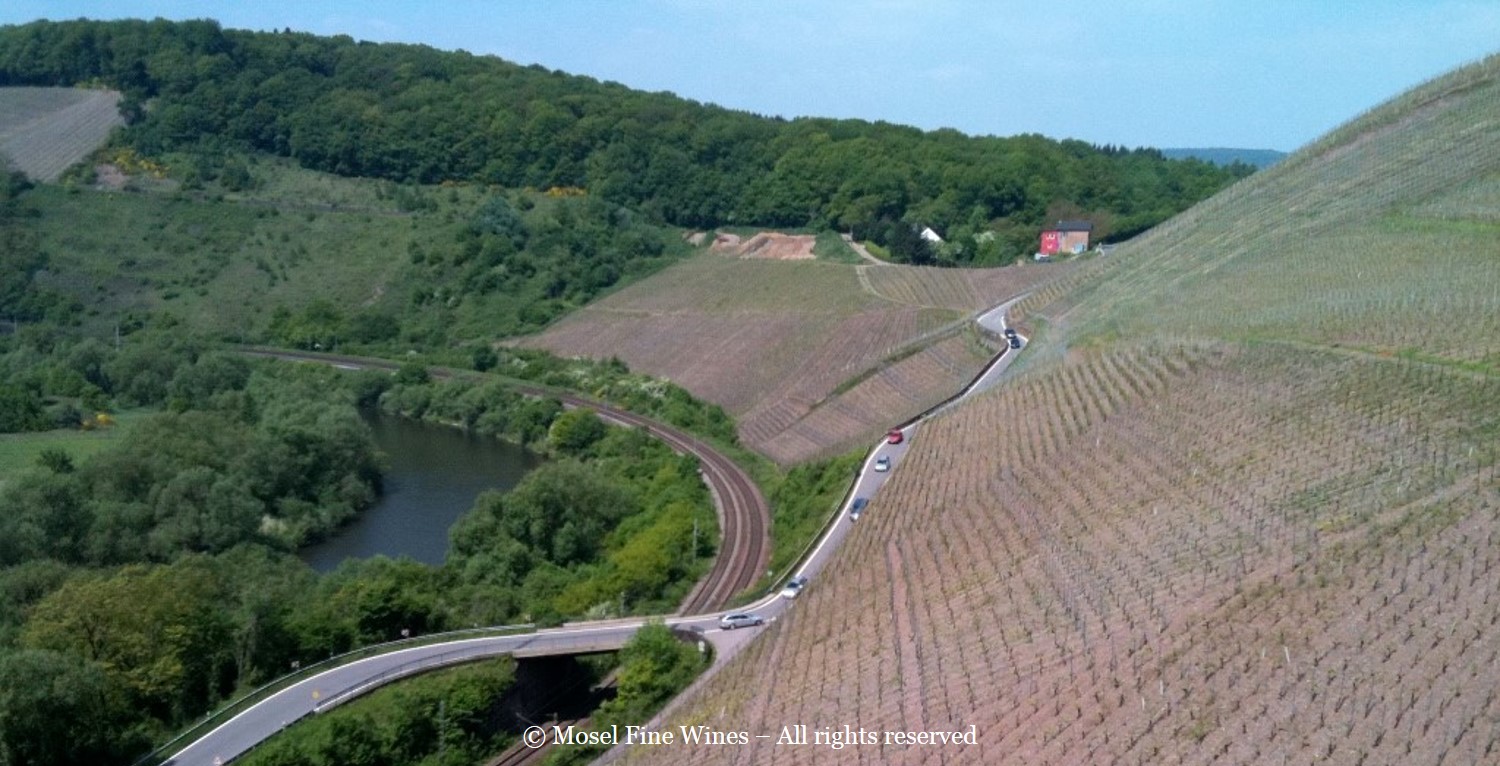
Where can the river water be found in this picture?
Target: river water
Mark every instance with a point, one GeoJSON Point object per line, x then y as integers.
{"type": "Point", "coordinates": [434, 473]}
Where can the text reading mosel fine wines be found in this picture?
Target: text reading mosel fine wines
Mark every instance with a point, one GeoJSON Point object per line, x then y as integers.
{"type": "Point", "coordinates": [792, 735]}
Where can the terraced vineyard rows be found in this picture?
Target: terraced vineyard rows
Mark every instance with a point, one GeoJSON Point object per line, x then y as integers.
{"type": "Point", "coordinates": [965, 289]}
{"type": "Point", "coordinates": [1226, 554]}
{"type": "Point", "coordinates": [861, 414]}
{"type": "Point", "coordinates": [44, 131]}
{"type": "Point", "coordinates": [775, 343]}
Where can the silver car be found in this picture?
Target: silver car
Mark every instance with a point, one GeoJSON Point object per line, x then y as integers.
{"type": "Point", "coordinates": [741, 620]}
{"type": "Point", "coordinates": [793, 587]}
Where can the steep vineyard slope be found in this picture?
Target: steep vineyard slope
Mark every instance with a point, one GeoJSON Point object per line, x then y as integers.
{"type": "Point", "coordinates": [1239, 503]}
{"type": "Point", "coordinates": [43, 131]}
{"type": "Point", "coordinates": [811, 358]}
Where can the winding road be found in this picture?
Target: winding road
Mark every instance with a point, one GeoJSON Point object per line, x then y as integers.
{"type": "Point", "coordinates": [744, 519]}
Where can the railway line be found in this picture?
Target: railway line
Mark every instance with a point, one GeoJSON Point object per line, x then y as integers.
{"type": "Point", "coordinates": [744, 515]}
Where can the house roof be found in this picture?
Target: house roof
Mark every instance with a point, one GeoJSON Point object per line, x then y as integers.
{"type": "Point", "coordinates": [1074, 226]}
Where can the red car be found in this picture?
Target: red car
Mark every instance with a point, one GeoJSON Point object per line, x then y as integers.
{"type": "Point", "coordinates": [895, 436]}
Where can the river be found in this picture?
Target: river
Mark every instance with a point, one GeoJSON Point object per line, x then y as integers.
{"type": "Point", "coordinates": [434, 473]}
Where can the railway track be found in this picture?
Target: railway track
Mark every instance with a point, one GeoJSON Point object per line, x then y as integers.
{"type": "Point", "coordinates": [744, 515]}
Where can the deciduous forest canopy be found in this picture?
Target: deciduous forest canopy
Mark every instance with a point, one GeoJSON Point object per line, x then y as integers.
{"type": "Point", "coordinates": [413, 113]}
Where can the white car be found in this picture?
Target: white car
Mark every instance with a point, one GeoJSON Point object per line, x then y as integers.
{"type": "Point", "coordinates": [882, 465]}
{"type": "Point", "coordinates": [793, 587]}
{"type": "Point", "coordinates": [741, 620]}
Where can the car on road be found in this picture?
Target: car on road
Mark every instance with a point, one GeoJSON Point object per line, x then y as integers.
{"type": "Point", "coordinates": [1015, 342]}
{"type": "Point", "coordinates": [741, 620]}
{"type": "Point", "coordinates": [858, 508]}
{"type": "Point", "coordinates": [1010, 332]}
{"type": "Point", "coordinates": [794, 587]}
{"type": "Point", "coordinates": [895, 436]}
{"type": "Point", "coordinates": [883, 464]}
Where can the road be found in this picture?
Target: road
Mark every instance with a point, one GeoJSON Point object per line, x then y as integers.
{"type": "Point", "coordinates": [328, 689]}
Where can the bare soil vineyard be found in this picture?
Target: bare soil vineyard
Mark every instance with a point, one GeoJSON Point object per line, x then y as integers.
{"type": "Point", "coordinates": [859, 415]}
{"type": "Point", "coordinates": [809, 357]}
{"type": "Point", "coordinates": [44, 131]}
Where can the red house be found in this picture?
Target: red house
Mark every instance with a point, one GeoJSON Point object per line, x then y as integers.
{"type": "Point", "coordinates": [1066, 237]}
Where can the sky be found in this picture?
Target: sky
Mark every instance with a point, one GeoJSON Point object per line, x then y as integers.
{"type": "Point", "coordinates": [1261, 74]}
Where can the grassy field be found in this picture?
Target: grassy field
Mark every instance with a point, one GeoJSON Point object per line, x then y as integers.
{"type": "Point", "coordinates": [44, 131]}
{"type": "Point", "coordinates": [1241, 504]}
{"type": "Point", "coordinates": [18, 452]}
{"type": "Point", "coordinates": [782, 345]}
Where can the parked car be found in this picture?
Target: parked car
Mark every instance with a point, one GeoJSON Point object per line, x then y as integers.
{"type": "Point", "coordinates": [858, 508]}
{"type": "Point", "coordinates": [741, 620]}
{"type": "Point", "coordinates": [895, 436]}
{"type": "Point", "coordinates": [793, 587]}
{"type": "Point", "coordinates": [882, 465]}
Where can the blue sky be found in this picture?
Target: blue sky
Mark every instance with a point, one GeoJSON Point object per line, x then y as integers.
{"type": "Point", "coordinates": [1168, 73]}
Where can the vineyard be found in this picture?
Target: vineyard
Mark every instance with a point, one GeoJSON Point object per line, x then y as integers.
{"type": "Point", "coordinates": [44, 131]}
{"type": "Point", "coordinates": [809, 357]}
{"type": "Point", "coordinates": [1240, 506]}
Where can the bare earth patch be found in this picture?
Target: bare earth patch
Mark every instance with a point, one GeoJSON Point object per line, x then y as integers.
{"type": "Point", "coordinates": [109, 176]}
{"type": "Point", "coordinates": [767, 244]}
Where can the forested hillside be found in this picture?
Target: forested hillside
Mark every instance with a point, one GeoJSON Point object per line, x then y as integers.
{"type": "Point", "coordinates": [412, 113]}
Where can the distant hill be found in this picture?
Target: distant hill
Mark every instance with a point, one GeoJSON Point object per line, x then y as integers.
{"type": "Point", "coordinates": [1260, 158]}
{"type": "Point", "coordinates": [1239, 501]}
{"type": "Point", "coordinates": [410, 113]}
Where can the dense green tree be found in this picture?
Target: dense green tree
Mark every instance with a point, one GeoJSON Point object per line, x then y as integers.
{"type": "Point", "coordinates": [563, 509]}
{"type": "Point", "coordinates": [159, 632]}
{"type": "Point", "coordinates": [59, 709]}
{"type": "Point", "coordinates": [20, 410]}
{"type": "Point", "coordinates": [575, 431]}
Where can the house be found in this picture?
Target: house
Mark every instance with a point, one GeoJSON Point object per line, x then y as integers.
{"type": "Point", "coordinates": [1066, 237]}
{"type": "Point", "coordinates": [931, 236]}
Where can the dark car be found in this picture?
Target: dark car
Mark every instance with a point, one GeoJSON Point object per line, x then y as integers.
{"type": "Point", "coordinates": [1010, 332]}
{"type": "Point", "coordinates": [1015, 342]}
{"type": "Point", "coordinates": [858, 508]}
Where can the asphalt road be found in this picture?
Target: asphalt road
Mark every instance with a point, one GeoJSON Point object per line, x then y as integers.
{"type": "Point", "coordinates": [338, 684]}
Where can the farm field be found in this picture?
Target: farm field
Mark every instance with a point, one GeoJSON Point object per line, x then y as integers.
{"type": "Point", "coordinates": [44, 131]}
{"type": "Point", "coordinates": [1240, 506]}
{"type": "Point", "coordinates": [787, 346]}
